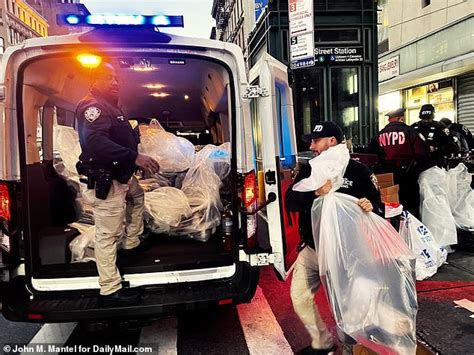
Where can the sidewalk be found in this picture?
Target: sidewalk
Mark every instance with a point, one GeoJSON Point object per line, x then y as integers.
{"type": "Point", "coordinates": [445, 327]}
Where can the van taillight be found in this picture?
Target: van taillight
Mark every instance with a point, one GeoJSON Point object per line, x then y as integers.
{"type": "Point", "coordinates": [250, 195]}
{"type": "Point", "coordinates": [250, 189]}
{"type": "Point", "coordinates": [5, 203]}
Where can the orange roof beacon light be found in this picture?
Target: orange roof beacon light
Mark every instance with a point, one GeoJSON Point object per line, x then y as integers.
{"type": "Point", "coordinates": [89, 60]}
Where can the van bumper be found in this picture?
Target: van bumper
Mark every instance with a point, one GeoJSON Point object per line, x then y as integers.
{"type": "Point", "coordinates": [156, 301]}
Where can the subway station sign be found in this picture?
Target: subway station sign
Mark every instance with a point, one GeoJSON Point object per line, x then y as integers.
{"type": "Point", "coordinates": [339, 54]}
{"type": "Point", "coordinates": [301, 23]}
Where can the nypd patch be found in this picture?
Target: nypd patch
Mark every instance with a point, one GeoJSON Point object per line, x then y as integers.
{"type": "Point", "coordinates": [92, 113]}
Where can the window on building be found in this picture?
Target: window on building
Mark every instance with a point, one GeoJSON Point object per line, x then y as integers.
{"type": "Point", "coordinates": [2, 45]}
{"type": "Point", "coordinates": [347, 35]}
{"type": "Point", "coordinates": [425, 3]}
{"type": "Point", "coordinates": [345, 101]}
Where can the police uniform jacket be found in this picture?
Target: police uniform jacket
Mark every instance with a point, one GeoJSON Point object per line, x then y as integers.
{"type": "Point", "coordinates": [437, 136]}
{"type": "Point", "coordinates": [399, 145]}
{"type": "Point", "coordinates": [464, 131]}
{"type": "Point", "coordinates": [106, 137]}
{"type": "Point", "coordinates": [358, 182]}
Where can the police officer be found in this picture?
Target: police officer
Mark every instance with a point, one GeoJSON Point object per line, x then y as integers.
{"type": "Point", "coordinates": [436, 135]}
{"type": "Point", "coordinates": [462, 130]}
{"type": "Point", "coordinates": [403, 152]}
{"type": "Point", "coordinates": [358, 182]}
{"type": "Point", "coordinates": [109, 159]}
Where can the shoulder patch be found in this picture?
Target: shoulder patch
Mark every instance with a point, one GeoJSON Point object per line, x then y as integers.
{"type": "Point", "coordinates": [92, 113]}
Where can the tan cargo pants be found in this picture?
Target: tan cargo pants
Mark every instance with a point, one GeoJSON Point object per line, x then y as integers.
{"type": "Point", "coordinates": [125, 202]}
{"type": "Point", "coordinates": [304, 285]}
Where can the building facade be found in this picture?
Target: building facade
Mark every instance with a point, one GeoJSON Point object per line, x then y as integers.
{"type": "Point", "coordinates": [49, 9]}
{"type": "Point", "coordinates": [331, 90]}
{"type": "Point", "coordinates": [426, 55]}
{"type": "Point", "coordinates": [20, 21]}
{"type": "Point", "coordinates": [234, 20]}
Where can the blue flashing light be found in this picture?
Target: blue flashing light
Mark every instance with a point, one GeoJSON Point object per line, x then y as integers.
{"type": "Point", "coordinates": [72, 19]}
{"type": "Point", "coordinates": [116, 20]}
{"type": "Point", "coordinates": [98, 20]}
{"type": "Point", "coordinates": [161, 20]}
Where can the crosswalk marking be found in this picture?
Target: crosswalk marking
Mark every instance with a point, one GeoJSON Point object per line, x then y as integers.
{"type": "Point", "coordinates": [55, 333]}
{"type": "Point", "coordinates": [162, 335]}
{"type": "Point", "coordinates": [262, 332]}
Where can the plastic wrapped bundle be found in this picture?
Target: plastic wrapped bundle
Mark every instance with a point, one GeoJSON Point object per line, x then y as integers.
{"type": "Point", "coordinates": [461, 196]}
{"type": "Point", "coordinates": [67, 144]}
{"type": "Point", "coordinates": [175, 154]}
{"type": "Point", "coordinates": [218, 157]}
{"type": "Point", "coordinates": [435, 210]}
{"type": "Point", "coordinates": [368, 273]}
{"type": "Point", "coordinates": [364, 264]}
{"type": "Point", "coordinates": [429, 255]}
{"type": "Point", "coordinates": [201, 187]}
{"type": "Point", "coordinates": [167, 206]}
{"type": "Point", "coordinates": [82, 247]}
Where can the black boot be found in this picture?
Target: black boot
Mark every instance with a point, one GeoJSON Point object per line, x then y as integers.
{"type": "Point", "coordinates": [120, 298]}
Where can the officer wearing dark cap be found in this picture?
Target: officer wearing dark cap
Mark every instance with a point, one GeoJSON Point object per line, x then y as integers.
{"type": "Point", "coordinates": [358, 182]}
{"type": "Point", "coordinates": [403, 152]}
{"type": "Point", "coordinates": [109, 159]}
{"type": "Point", "coordinates": [465, 136]}
{"type": "Point", "coordinates": [437, 136]}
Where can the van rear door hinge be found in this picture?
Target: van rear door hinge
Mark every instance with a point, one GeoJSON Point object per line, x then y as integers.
{"type": "Point", "coordinates": [260, 259]}
{"type": "Point", "coordinates": [254, 91]}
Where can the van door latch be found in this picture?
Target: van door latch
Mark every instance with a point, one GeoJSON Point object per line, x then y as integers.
{"type": "Point", "coordinates": [255, 91]}
{"type": "Point", "coordinates": [270, 177]}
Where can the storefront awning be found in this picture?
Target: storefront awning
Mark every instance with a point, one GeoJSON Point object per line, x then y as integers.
{"type": "Point", "coordinates": [446, 69]}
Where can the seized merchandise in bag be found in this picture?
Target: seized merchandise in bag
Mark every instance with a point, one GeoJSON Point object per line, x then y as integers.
{"type": "Point", "coordinates": [66, 142]}
{"type": "Point", "coordinates": [461, 196]}
{"type": "Point", "coordinates": [435, 210]}
{"type": "Point", "coordinates": [429, 255]}
{"type": "Point", "coordinates": [82, 247]}
{"type": "Point", "coordinates": [167, 206]}
{"type": "Point", "coordinates": [365, 266]}
{"type": "Point", "coordinates": [174, 154]}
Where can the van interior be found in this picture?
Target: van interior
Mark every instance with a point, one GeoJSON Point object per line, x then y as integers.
{"type": "Point", "coordinates": [187, 97]}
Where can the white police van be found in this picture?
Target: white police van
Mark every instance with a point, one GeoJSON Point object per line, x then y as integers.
{"type": "Point", "coordinates": [195, 87]}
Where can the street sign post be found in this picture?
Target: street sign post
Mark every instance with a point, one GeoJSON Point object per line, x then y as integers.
{"type": "Point", "coordinates": [301, 22]}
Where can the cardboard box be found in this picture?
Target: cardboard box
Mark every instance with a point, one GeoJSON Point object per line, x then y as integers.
{"type": "Point", "coordinates": [385, 180]}
{"type": "Point", "coordinates": [389, 194]}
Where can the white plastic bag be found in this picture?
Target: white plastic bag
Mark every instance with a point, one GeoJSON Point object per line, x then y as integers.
{"type": "Point", "coordinates": [461, 196]}
{"type": "Point", "coordinates": [429, 255]}
{"type": "Point", "coordinates": [368, 274]}
{"type": "Point", "coordinates": [82, 247]}
{"type": "Point", "coordinates": [167, 206]}
{"type": "Point", "coordinates": [217, 156]}
{"type": "Point", "coordinates": [174, 154]}
{"type": "Point", "coordinates": [329, 165]}
{"type": "Point", "coordinates": [66, 142]}
{"type": "Point", "coordinates": [201, 186]}
{"type": "Point", "coordinates": [435, 211]}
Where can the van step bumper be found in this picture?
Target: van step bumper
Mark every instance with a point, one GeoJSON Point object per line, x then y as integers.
{"type": "Point", "coordinates": [156, 301]}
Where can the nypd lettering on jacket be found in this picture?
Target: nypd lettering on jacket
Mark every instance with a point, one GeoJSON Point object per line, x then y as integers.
{"type": "Point", "coordinates": [391, 138]}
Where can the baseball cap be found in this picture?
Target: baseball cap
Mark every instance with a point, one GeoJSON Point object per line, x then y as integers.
{"type": "Point", "coordinates": [324, 129]}
{"type": "Point", "coordinates": [427, 111]}
{"type": "Point", "coordinates": [399, 112]}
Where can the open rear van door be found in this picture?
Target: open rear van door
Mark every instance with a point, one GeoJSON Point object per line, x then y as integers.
{"type": "Point", "coordinates": [275, 152]}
